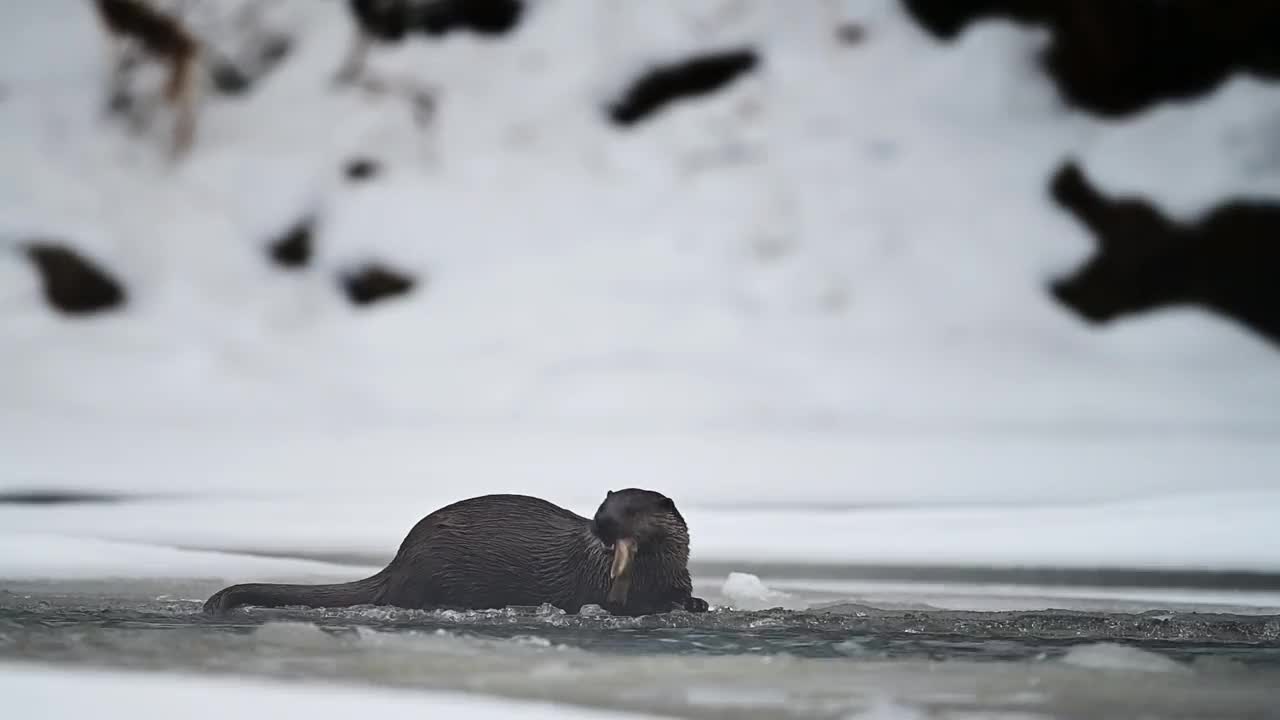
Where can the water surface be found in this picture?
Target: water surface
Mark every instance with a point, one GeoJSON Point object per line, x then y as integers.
{"type": "Point", "coordinates": [830, 663]}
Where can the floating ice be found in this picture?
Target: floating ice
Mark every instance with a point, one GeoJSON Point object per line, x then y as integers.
{"type": "Point", "coordinates": [747, 592]}
{"type": "Point", "coordinates": [294, 634]}
{"type": "Point", "coordinates": [59, 693]}
{"type": "Point", "coordinates": [889, 710]}
{"type": "Point", "coordinates": [1110, 656]}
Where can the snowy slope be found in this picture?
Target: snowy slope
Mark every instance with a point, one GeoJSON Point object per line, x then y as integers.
{"type": "Point", "coordinates": [853, 232]}
{"type": "Point", "coordinates": [822, 284]}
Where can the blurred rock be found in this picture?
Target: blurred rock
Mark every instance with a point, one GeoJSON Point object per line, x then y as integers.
{"type": "Point", "coordinates": [391, 21]}
{"type": "Point", "coordinates": [946, 18]}
{"type": "Point", "coordinates": [851, 33]}
{"type": "Point", "coordinates": [698, 75]}
{"type": "Point", "coordinates": [488, 17]}
{"type": "Point", "coordinates": [1228, 262]}
{"type": "Point", "coordinates": [73, 284]}
{"type": "Point", "coordinates": [375, 282]}
{"type": "Point", "coordinates": [1117, 58]}
{"type": "Point", "coordinates": [361, 168]}
{"type": "Point", "coordinates": [236, 75]}
{"type": "Point", "coordinates": [294, 248]}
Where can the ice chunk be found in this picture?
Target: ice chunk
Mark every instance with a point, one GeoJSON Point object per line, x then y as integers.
{"type": "Point", "coordinates": [747, 592]}
{"type": "Point", "coordinates": [1110, 656]}
{"type": "Point", "coordinates": [296, 635]}
{"type": "Point", "coordinates": [889, 710]}
{"type": "Point", "coordinates": [59, 693]}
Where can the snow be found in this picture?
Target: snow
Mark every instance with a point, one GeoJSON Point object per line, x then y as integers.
{"type": "Point", "coordinates": [54, 557]}
{"type": "Point", "coordinates": [32, 691]}
{"type": "Point", "coordinates": [701, 268]}
{"type": "Point", "coordinates": [138, 539]}
{"type": "Point", "coordinates": [809, 307]}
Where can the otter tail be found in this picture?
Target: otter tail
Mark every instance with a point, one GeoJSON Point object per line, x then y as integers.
{"type": "Point", "coordinates": [360, 592]}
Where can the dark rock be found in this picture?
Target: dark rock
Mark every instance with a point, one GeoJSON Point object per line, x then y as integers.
{"type": "Point", "coordinates": [699, 75]}
{"type": "Point", "coordinates": [1228, 261]}
{"type": "Point", "coordinates": [60, 497]}
{"type": "Point", "coordinates": [486, 17]}
{"type": "Point", "coordinates": [424, 105]}
{"type": "Point", "coordinates": [72, 284]}
{"type": "Point", "coordinates": [361, 168]}
{"type": "Point", "coordinates": [386, 21]}
{"type": "Point", "coordinates": [236, 76]}
{"type": "Point", "coordinates": [158, 32]}
{"type": "Point", "coordinates": [274, 49]}
{"type": "Point", "coordinates": [294, 248]}
{"type": "Point", "coordinates": [375, 282]}
{"type": "Point", "coordinates": [1117, 58]}
{"type": "Point", "coordinates": [391, 21]}
{"type": "Point", "coordinates": [946, 18]}
{"type": "Point", "coordinates": [851, 33]}
{"type": "Point", "coordinates": [229, 79]}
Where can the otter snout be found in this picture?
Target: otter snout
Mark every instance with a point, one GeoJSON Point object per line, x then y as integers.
{"type": "Point", "coordinates": [611, 532]}
{"type": "Point", "coordinates": [611, 526]}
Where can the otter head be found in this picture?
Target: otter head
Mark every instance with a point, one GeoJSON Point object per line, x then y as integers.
{"type": "Point", "coordinates": [637, 522]}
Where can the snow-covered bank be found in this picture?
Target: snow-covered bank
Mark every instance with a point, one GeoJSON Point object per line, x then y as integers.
{"type": "Point", "coordinates": [814, 465]}
{"type": "Point", "coordinates": [46, 692]}
{"type": "Point", "coordinates": [47, 556]}
{"type": "Point", "coordinates": [1221, 531]}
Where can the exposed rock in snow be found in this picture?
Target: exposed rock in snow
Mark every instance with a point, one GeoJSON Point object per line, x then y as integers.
{"type": "Point", "coordinates": [358, 169]}
{"type": "Point", "coordinates": [1228, 261]}
{"type": "Point", "coordinates": [1118, 58]}
{"type": "Point", "coordinates": [662, 85]}
{"type": "Point", "coordinates": [72, 283]}
{"type": "Point", "coordinates": [294, 248]}
{"type": "Point", "coordinates": [375, 282]}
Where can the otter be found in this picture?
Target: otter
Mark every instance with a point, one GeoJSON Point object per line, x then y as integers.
{"type": "Point", "coordinates": [496, 551]}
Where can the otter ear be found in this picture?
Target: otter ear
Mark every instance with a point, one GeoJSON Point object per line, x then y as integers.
{"type": "Point", "coordinates": [608, 493]}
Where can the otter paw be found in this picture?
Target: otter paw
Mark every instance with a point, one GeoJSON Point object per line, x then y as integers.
{"type": "Point", "coordinates": [695, 604]}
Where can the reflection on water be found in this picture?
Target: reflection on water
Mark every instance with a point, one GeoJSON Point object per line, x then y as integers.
{"type": "Point", "coordinates": [820, 664]}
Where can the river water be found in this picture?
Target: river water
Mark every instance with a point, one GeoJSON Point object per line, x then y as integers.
{"type": "Point", "coordinates": [840, 661]}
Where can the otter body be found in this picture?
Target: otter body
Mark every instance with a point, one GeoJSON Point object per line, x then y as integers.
{"type": "Point", "coordinates": [500, 550]}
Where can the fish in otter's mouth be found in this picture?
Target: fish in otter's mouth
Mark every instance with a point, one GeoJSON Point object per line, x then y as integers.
{"type": "Point", "coordinates": [624, 550]}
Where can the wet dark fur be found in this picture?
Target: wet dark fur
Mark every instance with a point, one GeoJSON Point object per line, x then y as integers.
{"type": "Point", "coordinates": [501, 550]}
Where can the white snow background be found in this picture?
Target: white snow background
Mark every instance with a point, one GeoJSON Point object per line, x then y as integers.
{"type": "Point", "coordinates": [809, 307]}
